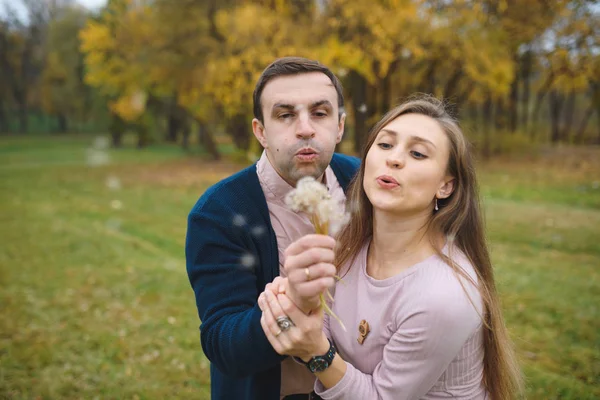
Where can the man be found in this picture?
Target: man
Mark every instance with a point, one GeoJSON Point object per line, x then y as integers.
{"type": "Point", "coordinates": [240, 227]}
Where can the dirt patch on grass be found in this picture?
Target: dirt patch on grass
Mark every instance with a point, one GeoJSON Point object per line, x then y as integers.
{"type": "Point", "coordinates": [181, 174]}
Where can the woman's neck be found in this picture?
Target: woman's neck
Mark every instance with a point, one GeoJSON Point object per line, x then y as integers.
{"type": "Point", "coordinates": [398, 243]}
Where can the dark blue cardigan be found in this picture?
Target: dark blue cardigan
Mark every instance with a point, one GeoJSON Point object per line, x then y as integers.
{"type": "Point", "coordinates": [231, 254]}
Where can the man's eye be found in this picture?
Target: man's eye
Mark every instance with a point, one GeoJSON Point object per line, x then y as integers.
{"type": "Point", "coordinates": [320, 114]}
{"type": "Point", "coordinates": [385, 146]}
{"type": "Point", "coordinates": [418, 155]}
{"type": "Point", "coordinates": [285, 116]}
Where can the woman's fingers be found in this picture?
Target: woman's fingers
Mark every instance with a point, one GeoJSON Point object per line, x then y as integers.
{"type": "Point", "coordinates": [311, 273]}
{"type": "Point", "coordinates": [307, 258]}
{"type": "Point", "coordinates": [308, 242]}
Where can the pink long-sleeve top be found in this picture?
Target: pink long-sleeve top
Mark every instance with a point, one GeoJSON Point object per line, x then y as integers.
{"type": "Point", "coordinates": [426, 337]}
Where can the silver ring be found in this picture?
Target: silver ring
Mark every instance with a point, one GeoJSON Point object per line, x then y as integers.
{"type": "Point", "coordinates": [284, 323]}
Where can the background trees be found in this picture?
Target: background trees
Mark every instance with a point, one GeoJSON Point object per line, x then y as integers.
{"type": "Point", "coordinates": [184, 70]}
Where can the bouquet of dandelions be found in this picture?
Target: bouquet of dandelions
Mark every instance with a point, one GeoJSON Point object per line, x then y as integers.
{"type": "Point", "coordinates": [326, 215]}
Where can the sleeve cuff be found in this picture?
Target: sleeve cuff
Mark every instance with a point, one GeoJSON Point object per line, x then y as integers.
{"type": "Point", "coordinates": [337, 391]}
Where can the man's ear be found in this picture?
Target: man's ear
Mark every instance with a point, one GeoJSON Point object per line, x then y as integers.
{"type": "Point", "coordinates": [341, 125]}
{"type": "Point", "coordinates": [259, 132]}
{"type": "Point", "coordinates": [446, 188]}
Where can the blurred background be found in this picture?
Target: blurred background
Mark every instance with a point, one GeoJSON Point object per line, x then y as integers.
{"type": "Point", "coordinates": [116, 116]}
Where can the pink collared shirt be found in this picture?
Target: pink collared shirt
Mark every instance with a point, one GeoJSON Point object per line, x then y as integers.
{"type": "Point", "coordinates": [290, 226]}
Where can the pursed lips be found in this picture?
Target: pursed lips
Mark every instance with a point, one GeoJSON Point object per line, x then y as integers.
{"type": "Point", "coordinates": [307, 154]}
{"type": "Point", "coordinates": [387, 181]}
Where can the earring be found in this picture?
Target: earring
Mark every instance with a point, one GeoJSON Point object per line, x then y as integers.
{"type": "Point", "coordinates": [436, 205]}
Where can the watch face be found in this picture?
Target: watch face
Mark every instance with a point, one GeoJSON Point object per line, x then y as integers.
{"type": "Point", "coordinates": [318, 364]}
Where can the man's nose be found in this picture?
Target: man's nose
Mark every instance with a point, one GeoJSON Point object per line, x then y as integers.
{"type": "Point", "coordinates": [304, 127]}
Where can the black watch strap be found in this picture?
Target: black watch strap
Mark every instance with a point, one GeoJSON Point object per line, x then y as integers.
{"type": "Point", "coordinates": [320, 363]}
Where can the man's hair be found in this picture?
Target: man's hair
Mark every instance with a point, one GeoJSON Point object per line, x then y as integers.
{"type": "Point", "coordinates": [292, 66]}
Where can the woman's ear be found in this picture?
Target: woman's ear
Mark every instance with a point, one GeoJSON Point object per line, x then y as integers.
{"type": "Point", "coordinates": [446, 188]}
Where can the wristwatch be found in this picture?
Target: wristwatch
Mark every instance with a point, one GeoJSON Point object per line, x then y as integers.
{"type": "Point", "coordinates": [320, 363]}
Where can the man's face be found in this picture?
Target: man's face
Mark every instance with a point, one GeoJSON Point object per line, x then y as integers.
{"type": "Point", "coordinates": [301, 124]}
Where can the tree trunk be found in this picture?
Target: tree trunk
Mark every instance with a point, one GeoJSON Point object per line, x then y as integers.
{"type": "Point", "coordinates": [116, 128]}
{"type": "Point", "coordinates": [527, 62]}
{"type": "Point", "coordinates": [513, 100]}
{"type": "Point", "coordinates": [143, 136]}
{"type": "Point", "coordinates": [500, 115]}
{"type": "Point", "coordinates": [452, 83]}
{"type": "Point", "coordinates": [568, 117]}
{"type": "Point", "coordinates": [4, 128]}
{"type": "Point", "coordinates": [206, 140]}
{"type": "Point", "coordinates": [429, 79]}
{"type": "Point", "coordinates": [23, 111]}
{"type": "Point", "coordinates": [358, 87]}
{"type": "Point", "coordinates": [63, 123]}
{"type": "Point", "coordinates": [172, 128]}
{"type": "Point", "coordinates": [238, 129]}
{"type": "Point", "coordinates": [579, 135]}
{"type": "Point", "coordinates": [540, 98]}
{"type": "Point", "coordinates": [185, 131]}
{"type": "Point", "coordinates": [555, 102]}
{"type": "Point", "coordinates": [173, 120]}
{"type": "Point", "coordinates": [487, 125]}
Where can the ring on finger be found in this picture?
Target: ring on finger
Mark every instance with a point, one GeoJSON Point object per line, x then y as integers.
{"type": "Point", "coordinates": [284, 323]}
{"type": "Point", "coordinates": [278, 333]}
{"type": "Point", "coordinates": [307, 272]}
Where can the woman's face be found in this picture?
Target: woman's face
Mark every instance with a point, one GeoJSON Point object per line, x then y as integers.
{"type": "Point", "coordinates": [405, 168]}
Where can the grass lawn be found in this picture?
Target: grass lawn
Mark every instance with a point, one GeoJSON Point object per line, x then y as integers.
{"type": "Point", "coordinates": [95, 301]}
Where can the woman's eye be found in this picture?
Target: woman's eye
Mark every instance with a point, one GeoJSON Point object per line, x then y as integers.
{"type": "Point", "coordinates": [418, 155]}
{"type": "Point", "coordinates": [385, 146]}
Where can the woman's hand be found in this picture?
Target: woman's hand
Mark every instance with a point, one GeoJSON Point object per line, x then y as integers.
{"type": "Point", "coordinates": [310, 270]}
{"type": "Point", "coordinates": [304, 339]}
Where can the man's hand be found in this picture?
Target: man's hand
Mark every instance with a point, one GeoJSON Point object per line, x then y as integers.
{"type": "Point", "coordinates": [310, 270]}
{"type": "Point", "coordinates": [305, 339]}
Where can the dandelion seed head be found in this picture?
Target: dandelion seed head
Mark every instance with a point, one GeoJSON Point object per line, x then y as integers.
{"type": "Point", "coordinates": [248, 260]}
{"type": "Point", "coordinates": [171, 320]}
{"type": "Point", "coordinates": [363, 108]}
{"type": "Point", "coordinates": [113, 224]}
{"type": "Point", "coordinates": [239, 220]}
{"type": "Point", "coordinates": [258, 231]}
{"type": "Point", "coordinates": [97, 158]}
{"type": "Point", "coordinates": [101, 143]}
{"type": "Point", "coordinates": [171, 265]}
{"type": "Point", "coordinates": [116, 204]}
{"type": "Point", "coordinates": [113, 183]}
{"type": "Point", "coordinates": [307, 195]}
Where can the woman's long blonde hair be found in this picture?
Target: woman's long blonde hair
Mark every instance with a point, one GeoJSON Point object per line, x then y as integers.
{"type": "Point", "coordinates": [460, 219]}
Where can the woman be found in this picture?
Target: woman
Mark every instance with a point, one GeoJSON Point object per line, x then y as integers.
{"type": "Point", "coordinates": [417, 295]}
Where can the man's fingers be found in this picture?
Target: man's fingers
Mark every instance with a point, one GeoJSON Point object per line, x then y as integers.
{"type": "Point", "coordinates": [290, 309]}
{"type": "Point", "coordinates": [272, 327]}
{"type": "Point", "coordinates": [270, 337]}
{"type": "Point", "coordinates": [309, 242]}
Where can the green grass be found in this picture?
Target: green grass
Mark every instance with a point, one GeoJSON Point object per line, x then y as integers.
{"type": "Point", "coordinates": [95, 302]}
